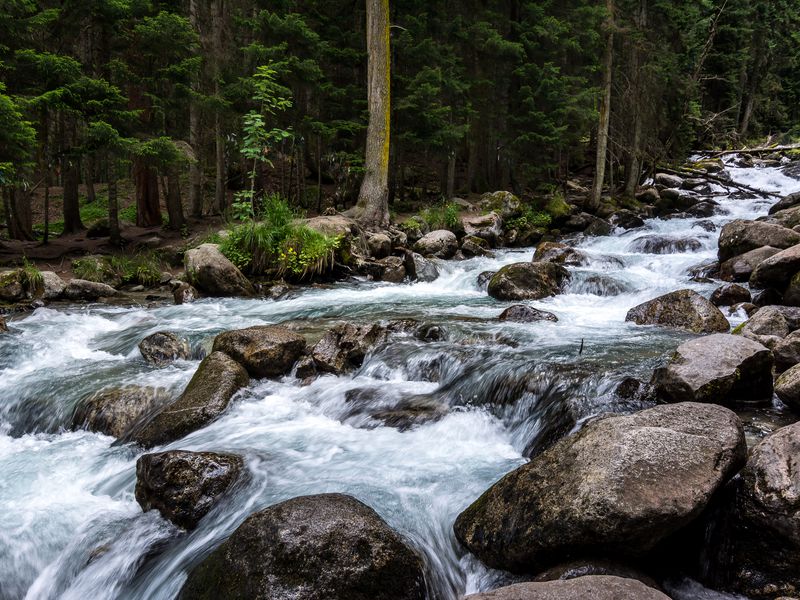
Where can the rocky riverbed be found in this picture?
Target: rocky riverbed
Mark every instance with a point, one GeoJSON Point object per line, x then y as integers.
{"type": "Point", "coordinates": [609, 414]}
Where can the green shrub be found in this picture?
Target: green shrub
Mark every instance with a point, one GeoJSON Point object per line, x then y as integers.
{"type": "Point", "coordinates": [93, 269]}
{"type": "Point", "coordinates": [531, 219]}
{"type": "Point", "coordinates": [441, 216]}
{"type": "Point", "coordinates": [140, 269]}
{"type": "Point", "coordinates": [557, 207]}
{"type": "Point", "coordinates": [30, 277]}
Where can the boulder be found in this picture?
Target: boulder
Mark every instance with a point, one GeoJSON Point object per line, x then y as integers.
{"type": "Point", "coordinates": [325, 547]}
{"type": "Point", "coordinates": [185, 293]}
{"type": "Point", "coordinates": [335, 226]}
{"type": "Point", "coordinates": [741, 236]}
{"type": "Point", "coordinates": [419, 268]}
{"type": "Point", "coordinates": [505, 203]}
{"type": "Point", "coordinates": [669, 181]}
{"type": "Point", "coordinates": [648, 195]}
{"type": "Point", "coordinates": [80, 289]}
{"type": "Point", "coordinates": [730, 294]}
{"type": "Point", "coordinates": [487, 227]}
{"type": "Point", "coordinates": [528, 281]}
{"type": "Point", "coordinates": [560, 254]}
{"type": "Point", "coordinates": [720, 368]}
{"type": "Point", "coordinates": [208, 270]}
{"type": "Point", "coordinates": [789, 217]}
{"type": "Point", "coordinates": [703, 209]}
{"type": "Point", "coordinates": [651, 474]}
{"type": "Point", "coordinates": [588, 224]}
{"type": "Point", "coordinates": [662, 244]}
{"type": "Point", "coordinates": [754, 544]}
{"type": "Point", "coordinates": [474, 246]}
{"type": "Point", "coordinates": [438, 244]}
{"type": "Point", "coordinates": [787, 387]}
{"type": "Point", "coordinates": [684, 309]}
{"type": "Point", "coordinates": [484, 279]}
{"type": "Point", "coordinates": [740, 268]}
{"type": "Point", "coordinates": [787, 351]}
{"type": "Point", "coordinates": [705, 225]}
{"type": "Point", "coordinates": [208, 394]}
{"type": "Point", "coordinates": [11, 287]}
{"type": "Point", "coordinates": [345, 345]}
{"type": "Point", "coordinates": [626, 219]}
{"type": "Point", "coordinates": [52, 286]}
{"type": "Point", "coordinates": [771, 324]}
{"type": "Point", "coordinates": [594, 587]}
{"type": "Point", "coordinates": [521, 313]}
{"type": "Point", "coordinates": [265, 350]}
{"type": "Point", "coordinates": [380, 245]}
{"type": "Point", "coordinates": [791, 297]}
{"type": "Point", "coordinates": [789, 201]}
{"type": "Point", "coordinates": [777, 270]}
{"type": "Point", "coordinates": [184, 486]}
{"type": "Point", "coordinates": [394, 269]}
{"type": "Point", "coordinates": [164, 347]}
{"type": "Point", "coordinates": [114, 411]}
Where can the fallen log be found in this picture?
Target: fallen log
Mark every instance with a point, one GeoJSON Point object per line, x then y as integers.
{"type": "Point", "coordinates": [723, 182]}
{"type": "Point", "coordinates": [759, 150]}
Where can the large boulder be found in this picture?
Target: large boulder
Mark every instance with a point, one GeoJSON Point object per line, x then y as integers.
{"type": "Point", "coordinates": [345, 345]}
{"type": "Point", "coordinates": [438, 244]}
{"type": "Point", "coordinates": [162, 348]}
{"type": "Point", "coordinates": [720, 368]}
{"type": "Point", "coordinates": [209, 271]}
{"type": "Point", "coordinates": [741, 236]}
{"type": "Point", "coordinates": [114, 411]}
{"type": "Point", "coordinates": [184, 486]}
{"type": "Point", "coordinates": [12, 288]}
{"type": "Point", "coordinates": [770, 324]}
{"type": "Point", "coordinates": [528, 281]}
{"type": "Point", "coordinates": [668, 180]}
{"type": "Point", "coordinates": [789, 201]}
{"type": "Point", "coordinates": [521, 313]}
{"type": "Point", "coordinates": [206, 397]}
{"type": "Point", "coordinates": [663, 244]}
{"type": "Point", "coordinates": [474, 246]}
{"type": "Point", "coordinates": [787, 387]}
{"type": "Point", "coordinates": [594, 587]}
{"type": "Point", "coordinates": [777, 270]}
{"type": "Point", "coordinates": [379, 244]}
{"type": "Point", "coordinates": [754, 545]}
{"type": "Point", "coordinates": [265, 351]}
{"type": "Point", "coordinates": [80, 289]}
{"type": "Point", "coordinates": [325, 547]}
{"type": "Point", "coordinates": [740, 268]}
{"type": "Point", "coordinates": [730, 294]}
{"type": "Point", "coordinates": [787, 351]}
{"type": "Point", "coordinates": [52, 286]}
{"type": "Point", "coordinates": [393, 269]}
{"type": "Point", "coordinates": [420, 268]}
{"type": "Point", "coordinates": [684, 309]}
{"type": "Point", "coordinates": [560, 254]}
{"type": "Point", "coordinates": [487, 227]}
{"type": "Point", "coordinates": [617, 488]}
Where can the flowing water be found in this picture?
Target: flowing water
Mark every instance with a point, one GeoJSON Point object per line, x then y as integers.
{"type": "Point", "coordinates": [71, 528]}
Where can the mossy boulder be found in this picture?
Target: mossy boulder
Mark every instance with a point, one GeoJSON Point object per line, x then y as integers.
{"type": "Point", "coordinates": [164, 347]}
{"type": "Point", "coordinates": [528, 281]}
{"type": "Point", "coordinates": [265, 351]}
{"type": "Point", "coordinates": [210, 271]}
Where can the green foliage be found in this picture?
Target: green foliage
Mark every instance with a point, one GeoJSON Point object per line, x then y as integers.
{"type": "Point", "coordinates": [531, 219]}
{"type": "Point", "coordinates": [17, 139]}
{"type": "Point", "coordinates": [442, 216]}
{"type": "Point", "coordinates": [140, 269]}
{"type": "Point", "coordinates": [30, 277]}
{"type": "Point", "coordinates": [557, 207]}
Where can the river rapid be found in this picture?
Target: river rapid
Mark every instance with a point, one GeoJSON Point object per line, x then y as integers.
{"type": "Point", "coordinates": [70, 526]}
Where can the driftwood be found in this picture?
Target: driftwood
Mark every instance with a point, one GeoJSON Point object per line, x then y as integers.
{"type": "Point", "coordinates": [760, 150]}
{"type": "Point", "coordinates": [688, 173]}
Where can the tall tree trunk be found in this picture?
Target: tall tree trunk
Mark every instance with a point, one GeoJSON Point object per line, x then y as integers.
{"type": "Point", "coordinates": [72, 208]}
{"type": "Point", "coordinates": [174, 205]}
{"type": "Point", "coordinates": [220, 196]}
{"type": "Point", "coordinates": [373, 200]}
{"type": "Point", "coordinates": [451, 175]}
{"type": "Point", "coordinates": [605, 111]}
{"type": "Point", "coordinates": [633, 162]}
{"type": "Point", "coordinates": [18, 215]}
{"type": "Point", "coordinates": [91, 195]}
{"type": "Point", "coordinates": [195, 178]}
{"type": "Point", "coordinates": [148, 209]}
{"type": "Point", "coordinates": [114, 234]}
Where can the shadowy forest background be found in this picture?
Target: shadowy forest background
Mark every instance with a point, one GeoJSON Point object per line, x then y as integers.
{"type": "Point", "coordinates": [125, 107]}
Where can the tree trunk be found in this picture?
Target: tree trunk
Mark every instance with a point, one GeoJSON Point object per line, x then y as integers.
{"type": "Point", "coordinates": [47, 182]}
{"type": "Point", "coordinates": [195, 179]}
{"type": "Point", "coordinates": [91, 196]}
{"type": "Point", "coordinates": [373, 200]}
{"type": "Point", "coordinates": [72, 208]}
{"type": "Point", "coordinates": [115, 237]}
{"type": "Point", "coordinates": [633, 162]}
{"type": "Point", "coordinates": [220, 196]}
{"type": "Point", "coordinates": [19, 217]}
{"type": "Point", "coordinates": [148, 210]}
{"type": "Point", "coordinates": [605, 111]}
{"type": "Point", "coordinates": [451, 175]}
{"type": "Point", "coordinates": [174, 205]}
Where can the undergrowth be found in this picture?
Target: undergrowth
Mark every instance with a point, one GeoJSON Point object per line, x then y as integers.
{"type": "Point", "coordinates": [139, 269]}
{"type": "Point", "coordinates": [441, 216]}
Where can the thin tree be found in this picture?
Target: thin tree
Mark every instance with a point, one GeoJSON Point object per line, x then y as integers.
{"type": "Point", "coordinates": [372, 209]}
{"type": "Point", "coordinates": [605, 109]}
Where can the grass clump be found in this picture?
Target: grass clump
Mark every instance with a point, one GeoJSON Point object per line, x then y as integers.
{"type": "Point", "coordinates": [139, 269]}
{"type": "Point", "coordinates": [30, 277]}
{"type": "Point", "coordinates": [441, 216]}
{"type": "Point", "coordinates": [531, 219]}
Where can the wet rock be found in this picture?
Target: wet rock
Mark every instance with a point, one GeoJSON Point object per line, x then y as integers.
{"type": "Point", "coordinates": [394, 269]}
{"type": "Point", "coordinates": [411, 413]}
{"type": "Point", "coordinates": [705, 226]}
{"type": "Point", "coordinates": [684, 309]}
{"type": "Point", "coordinates": [52, 286]}
{"type": "Point", "coordinates": [740, 268]}
{"type": "Point", "coordinates": [704, 271]}
{"type": "Point", "coordinates": [208, 394]}
{"type": "Point", "coordinates": [593, 567]}
{"type": "Point", "coordinates": [399, 237]}
{"type": "Point", "coordinates": [80, 289]}
{"type": "Point", "coordinates": [787, 351]}
{"type": "Point", "coordinates": [703, 209]}
{"type": "Point", "coordinates": [209, 271]}
{"type": "Point", "coordinates": [789, 217]}
{"type": "Point", "coordinates": [722, 369]}
{"type": "Point", "coordinates": [184, 486]}
{"type": "Point", "coordinates": [475, 246]}
{"type": "Point", "coordinates": [185, 294]}
{"type": "Point", "coordinates": [767, 297]}
{"type": "Point", "coordinates": [661, 244]}
{"type": "Point", "coordinates": [588, 224]}
{"type": "Point", "coordinates": [789, 201]}
{"type": "Point", "coordinates": [438, 244]}
{"type": "Point", "coordinates": [791, 296]}
{"type": "Point", "coordinates": [164, 347]}
{"type": "Point", "coordinates": [560, 254]}
{"type": "Point", "coordinates": [771, 324]}
{"type": "Point", "coordinates": [114, 411]}
{"type": "Point", "coordinates": [777, 270]}
{"type": "Point", "coordinates": [741, 236]}
{"type": "Point", "coordinates": [599, 285]}
{"type": "Point", "coordinates": [648, 196]}
{"type": "Point", "coordinates": [265, 351]}
{"type": "Point", "coordinates": [528, 281]}
{"type": "Point", "coordinates": [626, 219]}
{"type": "Point", "coordinates": [487, 227]}
{"type": "Point", "coordinates": [754, 545]}
{"type": "Point", "coordinates": [652, 473]}
{"type": "Point", "coordinates": [669, 181]}
{"type": "Point", "coordinates": [419, 268]}
{"type": "Point", "coordinates": [594, 587]}
{"type": "Point", "coordinates": [522, 313]}
{"type": "Point", "coordinates": [380, 245]}
{"type": "Point", "coordinates": [345, 345]}
{"type": "Point", "coordinates": [787, 387]}
{"type": "Point", "coordinates": [730, 294]}
{"type": "Point", "coordinates": [484, 279]}
{"type": "Point", "coordinates": [748, 307]}
{"type": "Point", "coordinates": [325, 547]}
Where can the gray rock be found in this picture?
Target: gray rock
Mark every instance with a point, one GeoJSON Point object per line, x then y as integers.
{"type": "Point", "coordinates": [560, 254]}
{"type": "Point", "coordinates": [789, 201]}
{"type": "Point", "coordinates": [652, 473]}
{"type": "Point", "coordinates": [208, 270]}
{"type": "Point", "coordinates": [487, 227]}
{"type": "Point", "coordinates": [80, 289]}
{"type": "Point", "coordinates": [184, 486]}
{"type": "Point", "coordinates": [185, 294]}
{"type": "Point", "coordinates": [521, 313]}
{"type": "Point", "coordinates": [669, 181]}
{"type": "Point", "coordinates": [740, 268]}
{"type": "Point", "coordinates": [662, 244]}
{"type": "Point", "coordinates": [684, 309]}
{"type": "Point", "coordinates": [484, 279]}
{"type": "Point", "coordinates": [777, 271]}
{"type": "Point", "coordinates": [771, 324]}
{"type": "Point", "coordinates": [721, 369]}
{"type": "Point", "coordinates": [626, 219]}
{"type": "Point", "coordinates": [421, 269]}
{"type": "Point", "coordinates": [208, 394]}
{"type": "Point", "coordinates": [730, 294]}
{"type": "Point", "coordinates": [53, 286]}
{"type": "Point", "coordinates": [114, 411]}
{"type": "Point", "coordinates": [164, 347]}
{"type": "Point", "coordinates": [475, 246]}
{"type": "Point", "coordinates": [345, 345]}
{"type": "Point", "coordinates": [742, 236]}
{"type": "Point", "coordinates": [787, 351]}
{"type": "Point", "coordinates": [265, 351]}
{"type": "Point", "coordinates": [787, 387]}
{"type": "Point", "coordinates": [326, 547]}
{"type": "Point", "coordinates": [594, 587]}
{"type": "Point", "coordinates": [380, 245]}
{"type": "Point", "coordinates": [438, 244]}
{"type": "Point", "coordinates": [394, 269]}
{"type": "Point", "coordinates": [528, 281]}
